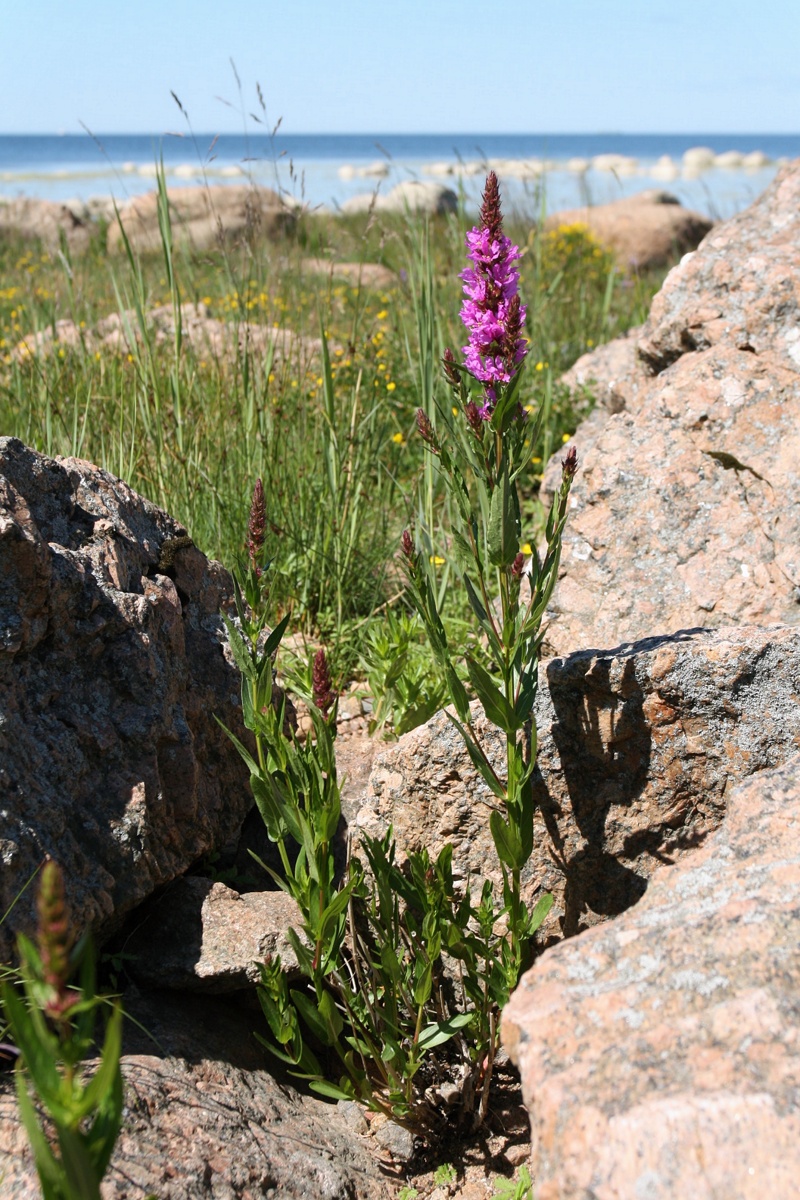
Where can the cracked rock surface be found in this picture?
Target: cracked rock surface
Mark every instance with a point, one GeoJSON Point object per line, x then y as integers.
{"type": "Point", "coordinates": [206, 1118]}
{"type": "Point", "coordinates": [686, 508]}
{"type": "Point", "coordinates": [638, 749]}
{"type": "Point", "coordinates": [660, 1053]}
{"type": "Point", "coordinates": [111, 673]}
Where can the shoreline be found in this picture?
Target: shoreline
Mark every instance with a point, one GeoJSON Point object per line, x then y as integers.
{"type": "Point", "coordinates": [714, 175]}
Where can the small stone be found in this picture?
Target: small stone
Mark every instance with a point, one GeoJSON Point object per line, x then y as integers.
{"type": "Point", "coordinates": [394, 1138]}
{"type": "Point", "coordinates": [353, 1116]}
{"type": "Point", "coordinates": [515, 1156]}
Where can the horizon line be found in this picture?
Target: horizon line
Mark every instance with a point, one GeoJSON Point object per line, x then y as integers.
{"type": "Point", "coordinates": [60, 133]}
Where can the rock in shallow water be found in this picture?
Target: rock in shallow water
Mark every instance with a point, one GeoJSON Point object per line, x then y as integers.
{"type": "Point", "coordinates": [660, 1053]}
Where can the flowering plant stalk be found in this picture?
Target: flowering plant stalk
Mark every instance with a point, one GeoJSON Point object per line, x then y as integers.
{"type": "Point", "coordinates": [52, 1025]}
{"type": "Point", "coordinates": [404, 970]}
{"type": "Point", "coordinates": [481, 469]}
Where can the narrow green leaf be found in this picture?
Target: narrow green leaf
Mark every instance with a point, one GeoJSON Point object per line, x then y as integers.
{"type": "Point", "coordinates": [458, 692]}
{"type": "Point", "coordinates": [323, 1088]}
{"type": "Point", "coordinates": [249, 761]}
{"type": "Point", "coordinates": [302, 953]}
{"type": "Point", "coordinates": [442, 1031]}
{"type": "Point", "coordinates": [331, 1016]}
{"type": "Point", "coordinates": [274, 639]}
{"type": "Point", "coordinates": [79, 1169]}
{"type": "Point", "coordinates": [271, 805]}
{"type": "Point", "coordinates": [50, 1172]}
{"type": "Point", "coordinates": [506, 841]}
{"type": "Point", "coordinates": [36, 1043]}
{"type": "Point", "coordinates": [542, 908]}
{"type": "Point", "coordinates": [102, 1081]}
{"type": "Point", "coordinates": [495, 705]}
{"type": "Point", "coordinates": [475, 601]}
{"type": "Point", "coordinates": [504, 525]}
{"type": "Point", "coordinates": [422, 987]}
{"type": "Point", "coordinates": [308, 1011]}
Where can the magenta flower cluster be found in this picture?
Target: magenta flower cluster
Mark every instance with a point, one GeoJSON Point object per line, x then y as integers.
{"type": "Point", "coordinates": [492, 312]}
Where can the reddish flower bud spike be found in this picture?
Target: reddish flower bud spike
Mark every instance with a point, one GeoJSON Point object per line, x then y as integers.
{"type": "Point", "coordinates": [407, 545]}
{"type": "Point", "coordinates": [450, 371]}
{"type": "Point", "coordinates": [474, 419]}
{"type": "Point", "coordinates": [54, 940]}
{"type": "Point", "coordinates": [569, 464]}
{"type": "Point", "coordinates": [257, 526]}
{"type": "Point", "coordinates": [426, 431]}
{"type": "Point", "coordinates": [491, 217]}
{"type": "Point", "coordinates": [322, 689]}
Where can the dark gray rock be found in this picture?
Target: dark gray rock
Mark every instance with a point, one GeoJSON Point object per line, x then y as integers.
{"type": "Point", "coordinates": [112, 669]}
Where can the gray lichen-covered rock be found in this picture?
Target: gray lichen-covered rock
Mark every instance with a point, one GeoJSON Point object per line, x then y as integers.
{"type": "Point", "coordinates": [660, 1053]}
{"type": "Point", "coordinates": [111, 673]}
{"type": "Point", "coordinates": [686, 507]}
{"type": "Point", "coordinates": [205, 1119]}
{"type": "Point", "coordinates": [638, 749]}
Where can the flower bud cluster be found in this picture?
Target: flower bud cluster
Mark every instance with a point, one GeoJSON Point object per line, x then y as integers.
{"type": "Point", "coordinates": [322, 687]}
{"type": "Point", "coordinates": [257, 527]}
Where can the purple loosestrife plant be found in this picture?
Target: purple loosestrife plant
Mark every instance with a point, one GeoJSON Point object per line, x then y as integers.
{"type": "Point", "coordinates": [481, 468]}
{"type": "Point", "coordinates": [369, 1008]}
{"type": "Point", "coordinates": [378, 941]}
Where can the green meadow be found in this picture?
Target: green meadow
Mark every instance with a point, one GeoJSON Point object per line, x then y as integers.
{"type": "Point", "coordinates": [311, 382]}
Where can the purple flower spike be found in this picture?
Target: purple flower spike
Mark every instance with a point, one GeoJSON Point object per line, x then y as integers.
{"type": "Point", "coordinates": [492, 312]}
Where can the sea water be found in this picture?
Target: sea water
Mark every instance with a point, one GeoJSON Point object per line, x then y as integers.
{"type": "Point", "coordinates": [553, 171]}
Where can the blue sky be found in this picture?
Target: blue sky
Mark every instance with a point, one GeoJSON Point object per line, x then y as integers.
{"type": "Point", "coordinates": [389, 66]}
